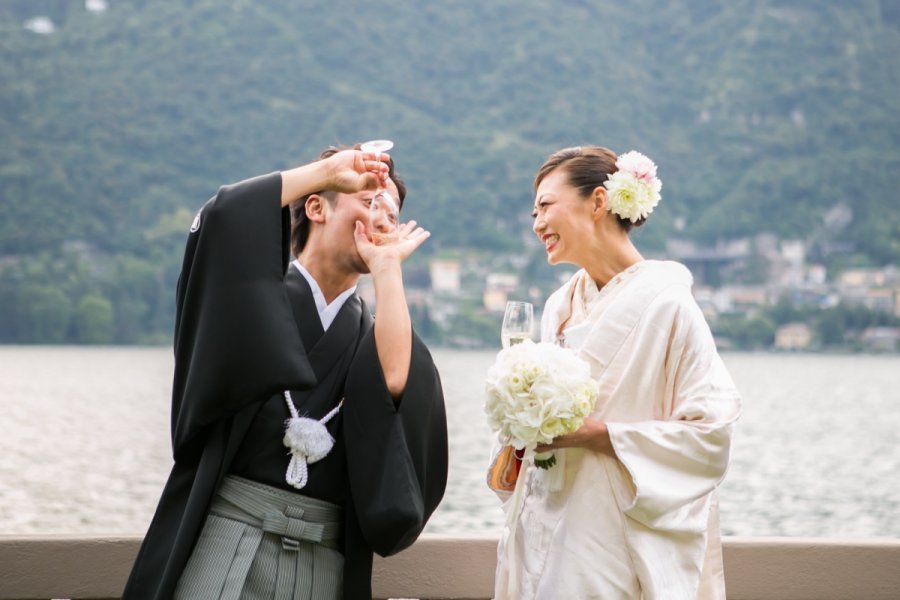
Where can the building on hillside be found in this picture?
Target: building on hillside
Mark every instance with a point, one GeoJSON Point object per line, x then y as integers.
{"type": "Point", "coordinates": [867, 278]}
{"type": "Point", "coordinates": [793, 263]}
{"type": "Point", "coordinates": [741, 298]}
{"type": "Point", "coordinates": [96, 6]}
{"type": "Point", "coordinates": [445, 275]}
{"type": "Point", "coordinates": [881, 339]}
{"type": "Point", "coordinates": [817, 274]}
{"type": "Point", "coordinates": [497, 288]}
{"type": "Point", "coordinates": [876, 299]}
{"type": "Point", "coordinates": [705, 297]}
{"type": "Point", "coordinates": [793, 336]}
{"type": "Point", "coordinates": [365, 289]}
{"type": "Point", "coordinates": [708, 263]}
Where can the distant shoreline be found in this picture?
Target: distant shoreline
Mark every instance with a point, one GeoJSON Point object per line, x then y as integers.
{"type": "Point", "coordinates": [723, 351]}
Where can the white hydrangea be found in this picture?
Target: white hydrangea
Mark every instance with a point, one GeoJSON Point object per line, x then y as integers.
{"type": "Point", "coordinates": [538, 392]}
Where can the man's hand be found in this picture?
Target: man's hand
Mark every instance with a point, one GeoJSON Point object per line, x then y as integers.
{"type": "Point", "coordinates": [386, 256]}
{"type": "Point", "coordinates": [347, 171]}
{"type": "Point", "coordinates": [352, 171]}
{"type": "Point", "coordinates": [393, 329]}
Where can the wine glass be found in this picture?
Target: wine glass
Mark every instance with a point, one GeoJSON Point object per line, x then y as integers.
{"type": "Point", "coordinates": [518, 322]}
{"type": "Point", "coordinates": [384, 211]}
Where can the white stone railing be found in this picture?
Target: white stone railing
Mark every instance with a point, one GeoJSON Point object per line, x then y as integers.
{"type": "Point", "coordinates": [444, 567]}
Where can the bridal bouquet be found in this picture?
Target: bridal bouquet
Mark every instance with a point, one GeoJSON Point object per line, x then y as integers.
{"type": "Point", "coordinates": [535, 393]}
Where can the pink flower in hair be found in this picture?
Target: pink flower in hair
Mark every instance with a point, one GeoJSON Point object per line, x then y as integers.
{"type": "Point", "coordinates": [638, 165]}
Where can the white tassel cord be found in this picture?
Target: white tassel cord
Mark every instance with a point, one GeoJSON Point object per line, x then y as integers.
{"type": "Point", "coordinates": [308, 440]}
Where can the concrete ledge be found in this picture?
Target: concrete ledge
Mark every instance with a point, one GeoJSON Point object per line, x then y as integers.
{"type": "Point", "coordinates": [43, 567]}
{"type": "Point", "coordinates": [462, 567]}
{"type": "Point", "coordinates": [812, 568]}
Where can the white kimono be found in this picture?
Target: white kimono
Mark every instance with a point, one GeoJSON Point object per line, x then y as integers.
{"type": "Point", "coordinates": [643, 524]}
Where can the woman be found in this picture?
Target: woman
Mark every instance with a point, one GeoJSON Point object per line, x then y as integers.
{"type": "Point", "coordinates": [633, 511]}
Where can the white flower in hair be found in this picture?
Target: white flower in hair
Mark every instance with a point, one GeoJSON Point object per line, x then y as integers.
{"type": "Point", "coordinates": [634, 188]}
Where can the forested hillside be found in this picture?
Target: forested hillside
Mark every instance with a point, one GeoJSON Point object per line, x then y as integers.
{"type": "Point", "coordinates": [762, 115]}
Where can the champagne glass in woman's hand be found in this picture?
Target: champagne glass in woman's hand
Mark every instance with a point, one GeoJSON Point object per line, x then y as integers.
{"type": "Point", "coordinates": [384, 211]}
{"type": "Point", "coordinates": [518, 322]}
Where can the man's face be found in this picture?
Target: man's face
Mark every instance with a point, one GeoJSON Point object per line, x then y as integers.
{"type": "Point", "coordinates": [341, 215]}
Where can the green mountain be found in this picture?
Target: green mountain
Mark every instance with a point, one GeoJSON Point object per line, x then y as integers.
{"type": "Point", "coordinates": [762, 115]}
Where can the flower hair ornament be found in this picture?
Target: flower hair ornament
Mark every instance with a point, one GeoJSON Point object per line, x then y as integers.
{"type": "Point", "coordinates": [633, 190]}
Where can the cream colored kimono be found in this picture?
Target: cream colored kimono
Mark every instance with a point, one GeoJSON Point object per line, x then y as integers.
{"type": "Point", "coordinates": [645, 523]}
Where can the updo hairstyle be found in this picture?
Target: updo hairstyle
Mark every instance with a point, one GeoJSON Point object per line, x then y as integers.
{"type": "Point", "coordinates": [586, 168]}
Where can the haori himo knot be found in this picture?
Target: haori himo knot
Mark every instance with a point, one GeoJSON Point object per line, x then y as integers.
{"type": "Point", "coordinates": [308, 440]}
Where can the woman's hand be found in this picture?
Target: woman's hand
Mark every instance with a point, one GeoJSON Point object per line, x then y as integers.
{"type": "Point", "coordinates": [592, 435]}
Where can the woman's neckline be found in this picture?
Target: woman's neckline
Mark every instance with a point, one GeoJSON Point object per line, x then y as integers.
{"type": "Point", "coordinates": [619, 277]}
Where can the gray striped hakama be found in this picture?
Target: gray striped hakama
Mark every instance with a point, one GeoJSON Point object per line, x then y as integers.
{"type": "Point", "coordinates": [261, 542]}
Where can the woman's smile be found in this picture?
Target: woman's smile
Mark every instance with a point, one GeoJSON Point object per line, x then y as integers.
{"type": "Point", "coordinates": [550, 240]}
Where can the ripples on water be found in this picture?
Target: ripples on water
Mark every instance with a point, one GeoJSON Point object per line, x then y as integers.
{"type": "Point", "coordinates": [84, 446]}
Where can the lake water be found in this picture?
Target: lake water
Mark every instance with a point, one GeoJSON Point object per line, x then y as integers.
{"type": "Point", "coordinates": [84, 445]}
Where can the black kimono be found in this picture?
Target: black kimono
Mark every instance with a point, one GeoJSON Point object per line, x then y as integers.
{"type": "Point", "coordinates": [247, 329]}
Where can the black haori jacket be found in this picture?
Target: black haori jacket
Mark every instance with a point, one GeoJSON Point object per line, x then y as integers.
{"type": "Point", "coordinates": [246, 330]}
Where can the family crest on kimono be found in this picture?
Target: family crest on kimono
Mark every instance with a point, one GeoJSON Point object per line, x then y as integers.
{"type": "Point", "coordinates": [631, 511]}
{"type": "Point", "coordinates": [270, 330]}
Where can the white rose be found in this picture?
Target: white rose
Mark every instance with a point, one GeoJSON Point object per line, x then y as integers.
{"type": "Point", "coordinates": [522, 435]}
{"type": "Point", "coordinates": [515, 382]}
{"type": "Point", "coordinates": [553, 428]}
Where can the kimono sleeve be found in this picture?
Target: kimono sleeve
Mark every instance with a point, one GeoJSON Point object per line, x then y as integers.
{"type": "Point", "coordinates": [236, 339]}
{"type": "Point", "coordinates": [676, 461]}
{"type": "Point", "coordinates": [396, 454]}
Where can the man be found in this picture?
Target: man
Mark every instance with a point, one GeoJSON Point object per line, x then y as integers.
{"type": "Point", "coordinates": [260, 339]}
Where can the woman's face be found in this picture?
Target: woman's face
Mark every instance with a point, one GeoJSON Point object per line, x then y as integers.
{"type": "Point", "coordinates": [563, 220]}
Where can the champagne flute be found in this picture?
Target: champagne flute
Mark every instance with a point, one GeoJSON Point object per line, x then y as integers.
{"type": "Point", "coordinates": [518, 323]}
{"type": "Point", "coordinates": [384, 211]}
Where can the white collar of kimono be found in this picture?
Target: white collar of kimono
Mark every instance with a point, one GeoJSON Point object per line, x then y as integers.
{"type": "Point", "coordinates": [327, 312]}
